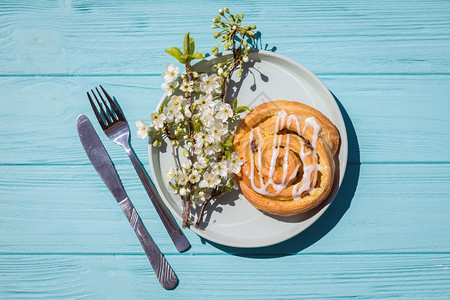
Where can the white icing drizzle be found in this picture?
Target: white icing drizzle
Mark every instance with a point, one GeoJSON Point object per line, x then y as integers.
{"type": "Point", "coordinates": [305, 184]}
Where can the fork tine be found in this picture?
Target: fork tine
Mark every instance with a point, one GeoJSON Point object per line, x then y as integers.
{"type": "Point", "coordinates": [105, 116]}
{"type": "Point", "coordinates": [110, 113]}
{"type": "Point", "coordinates": [113, 105]}
{"type": "Point", "coordinates": [96, 112]}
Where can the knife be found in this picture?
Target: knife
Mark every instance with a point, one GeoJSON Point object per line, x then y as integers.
{"type": "Point", "coordinates": [103, 165]}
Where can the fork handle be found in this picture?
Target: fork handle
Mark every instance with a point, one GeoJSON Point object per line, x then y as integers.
{"type": "Point", "coordinates": [175, 233]}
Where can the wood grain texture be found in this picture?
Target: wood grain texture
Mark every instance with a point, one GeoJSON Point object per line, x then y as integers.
{"type": "Point", "coordinates": [114, 37]}
{"type": "Point", "coordinates": [386, 234]}
{"type": "Point", "coordinates": [330, 276]}
{"type": "Point", "coordinates": [67, 209]}
{"type": "Point", "coordinates": [384, 122]}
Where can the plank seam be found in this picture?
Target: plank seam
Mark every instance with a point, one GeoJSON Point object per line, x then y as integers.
{"type": "Point", "coordinates": [159, 74]}
{"type": "Point", "coordinates": [227, 254]}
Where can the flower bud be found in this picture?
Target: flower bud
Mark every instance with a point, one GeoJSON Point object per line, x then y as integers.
{"type": "Point", "coordinates": [221, 12]}
{"type": "Point", "coordinates": [217, 34]}
{"type": "Point", "coordinates": [245, 59]}
{"type": "Point", "coordinates": [227, 10]}
{"type": "Point", "coordinates": [234, 27]}
{"type": "Point", "coordinates": [254, 27]}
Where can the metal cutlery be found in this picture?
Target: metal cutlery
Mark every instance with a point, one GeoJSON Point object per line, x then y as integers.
{"type": "Point", "coordinates": [116, 127]}
{"type": "Point", "coordinates": [103, 165]}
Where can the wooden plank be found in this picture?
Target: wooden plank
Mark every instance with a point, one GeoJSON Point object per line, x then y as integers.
{"type": "Point", "coordinates": [381, 208]}
{"type": "Point", "coordinates": [111, 37]}
{"type": "Point", "coordinates": [414, 276]}
{"type": "Point", "coordinates": [386, 116]}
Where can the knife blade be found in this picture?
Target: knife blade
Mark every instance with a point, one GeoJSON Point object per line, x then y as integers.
{"type": "Point", "coordinates": [102, 163]}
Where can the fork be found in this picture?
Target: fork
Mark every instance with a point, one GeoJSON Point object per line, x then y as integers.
{"type": "Point", "coordinates": [115, 126]}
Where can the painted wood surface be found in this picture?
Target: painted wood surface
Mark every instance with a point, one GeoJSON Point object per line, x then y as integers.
{"type": "Point", "coordinates": [385, 236]}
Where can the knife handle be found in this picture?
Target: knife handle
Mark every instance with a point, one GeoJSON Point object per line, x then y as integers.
{"type": "Point", "coordinates": [163, 270]}
{"type": "Point", "coordinates": [175, 233]}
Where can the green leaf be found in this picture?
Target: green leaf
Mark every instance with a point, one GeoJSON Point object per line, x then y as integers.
{"type": "Point", "coordinates": [192, 46]}
{"type": "Point", "coordinates": [234, 103]}
{"type": "Point", "coordinates": [229, 143]}
{"type": "Point", "coordinates": [183, 58]}
{"type": "Point", "coordinates": [175, 52]}
{"type": "Point", "coordinates": [240, 109]}
{"type": "Point", "coordinates": [173, 185]}
{"type": "Point", "coordinates": [228, 154]}
{"type": "Point", "coordinates": [198, 55]}
{"type": "Point", "coordinates": [197, 124]}
{"type": "Point", "coordinates": [186, 44]}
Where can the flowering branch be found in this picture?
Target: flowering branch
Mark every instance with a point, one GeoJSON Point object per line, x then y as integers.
{"type": "Point", "coordinates": [231, 25]}
{"type": "Point", "coordinates": [199, 122]}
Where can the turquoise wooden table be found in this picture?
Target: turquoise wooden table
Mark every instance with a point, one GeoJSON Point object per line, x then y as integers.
{"type": "Point", "coordinates": [387, 233]}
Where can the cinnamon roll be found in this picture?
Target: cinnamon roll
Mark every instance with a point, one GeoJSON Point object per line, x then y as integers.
{"type": "Point", "coordinates": [288, 149]}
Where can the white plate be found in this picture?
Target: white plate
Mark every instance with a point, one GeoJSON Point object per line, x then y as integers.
{"type": "Point", "coordinates": [232, 221]}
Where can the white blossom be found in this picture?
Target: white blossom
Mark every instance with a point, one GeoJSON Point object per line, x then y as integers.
{"type": "Point", "coordinates": [182, 177]}
{"type": "Point", "coordinates": [172, 112]}
{"type": "Point", "coordinates": [142, 129]}
{"type": "Point", "coordinates": [187, 164]}
{"type": "Point", "coordinates": [219, 168]}
{"type": "Point", "coordinates": [201, 195]}
{"type": "Point", "coordinates": [194, 177]}
{"type": "Point", "coordinates": [204, 101]}
{"type": "Point", "coordinates": [170, 174]}
{"type": "Point", "coordinates": [169, 87]}
{"type": "Point", "coordinates": [234, 164]}
{"type": "Point", "coordinates": [209, 181]}
{"type": "Point", "coordinates": [207, 116]}
{"type": "Point", "coordinates": [171, 73]}
{"type": "Point", "coordinates": [219, 130]}
{"type": "Point", "coordinates": [158, 120]}
{"type": "Point", "coordinates": [187, 86]}
{"type": "Point", "coordinates": [210, 84]}
{"type": "Point", "coordinates": [187, 111]}
{"type": "Point", "coordinates": [224, 112]}
{"type": "Point", "coordinates": [176, 101]}
{"type": "Point", "coordinates": [212, 149]}
{"type": "Point", "coordinates": [201, 162]}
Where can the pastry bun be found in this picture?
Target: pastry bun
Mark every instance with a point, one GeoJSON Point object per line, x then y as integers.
{"type": "Point", "coordinates": [288, 149]}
